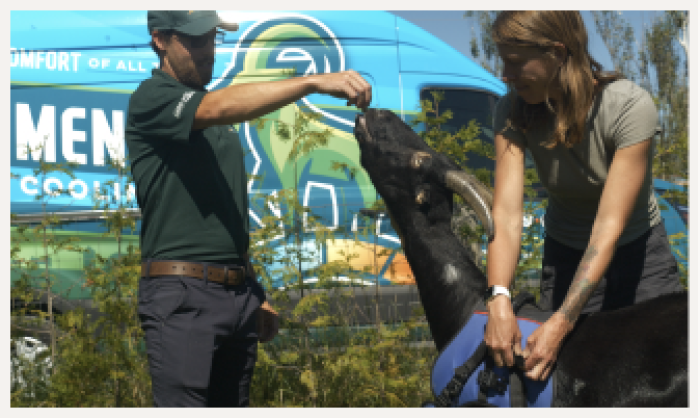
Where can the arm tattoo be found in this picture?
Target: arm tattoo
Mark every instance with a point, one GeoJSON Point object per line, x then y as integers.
{"type": "Point", "coordinates": [580, 289]}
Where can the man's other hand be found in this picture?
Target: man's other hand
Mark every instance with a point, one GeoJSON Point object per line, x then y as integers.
{"type": "Point", "coordinates": [268, 323]}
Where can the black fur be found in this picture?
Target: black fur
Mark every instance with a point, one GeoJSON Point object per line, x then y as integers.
{"type": "Point", "coordinates": [637, 356]}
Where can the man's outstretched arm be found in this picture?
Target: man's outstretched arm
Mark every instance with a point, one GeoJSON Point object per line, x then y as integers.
{"type": "Point", "coordinates": [243, 102]}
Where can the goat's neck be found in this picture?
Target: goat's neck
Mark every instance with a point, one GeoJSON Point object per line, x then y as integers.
{"type": "Point", "coordinates": [449, 283]}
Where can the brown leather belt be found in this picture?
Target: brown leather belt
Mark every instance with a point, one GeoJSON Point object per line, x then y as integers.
{"type": "Point", "coordinates": [227, 275]}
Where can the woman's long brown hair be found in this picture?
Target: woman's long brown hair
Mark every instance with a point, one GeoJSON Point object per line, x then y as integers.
{"type": "Point", "coordinates": [580, 76]}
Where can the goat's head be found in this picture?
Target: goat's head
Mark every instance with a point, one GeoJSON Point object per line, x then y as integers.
{"type": "Point", "coordinates": [408, 174]}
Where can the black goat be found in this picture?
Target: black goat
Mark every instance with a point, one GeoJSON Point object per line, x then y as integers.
{"type": "Point", "coordinates": [636, 356]}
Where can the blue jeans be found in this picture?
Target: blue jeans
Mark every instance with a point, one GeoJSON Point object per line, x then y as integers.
{"type": "Point", "coordinates": [201, 340]}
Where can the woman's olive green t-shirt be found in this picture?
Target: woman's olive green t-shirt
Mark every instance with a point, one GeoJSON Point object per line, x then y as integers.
{"type": "Point", "coordinates": [623, 114]}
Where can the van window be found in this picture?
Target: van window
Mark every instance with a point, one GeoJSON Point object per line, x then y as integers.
{"type": "Point", "coordinates": [466, 105]}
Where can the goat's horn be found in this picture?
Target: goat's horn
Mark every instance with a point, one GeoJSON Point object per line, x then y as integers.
{"type": "Point", "coordinates": [477, 196]}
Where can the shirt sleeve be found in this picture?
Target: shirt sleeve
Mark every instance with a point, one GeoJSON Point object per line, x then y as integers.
{"type": "Point", "coordinates": [501, 124]}
{"type": "Point", "coordinates": [166, 111]}
{"type": "Point", "coordinates": [636, 119]}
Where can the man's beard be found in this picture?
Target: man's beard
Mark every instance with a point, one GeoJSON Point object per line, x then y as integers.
{"type": "Point", "coordinates": [189, 74]}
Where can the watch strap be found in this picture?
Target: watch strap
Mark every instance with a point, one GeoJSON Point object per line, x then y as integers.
{"type": "Point", "coordinates": [494, 291]}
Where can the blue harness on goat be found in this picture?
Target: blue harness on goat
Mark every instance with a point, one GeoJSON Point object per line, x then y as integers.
{"type": "Point", "coordinates": [463, 375]}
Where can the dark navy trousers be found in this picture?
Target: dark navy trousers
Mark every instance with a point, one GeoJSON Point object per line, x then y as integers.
{"type": "Point", "coordinates": [640, 270]}
{"type": "Point", "coordinates": [201, 340]}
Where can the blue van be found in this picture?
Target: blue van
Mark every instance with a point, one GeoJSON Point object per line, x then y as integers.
{"type": "Point", "coordinates": [673, 198]}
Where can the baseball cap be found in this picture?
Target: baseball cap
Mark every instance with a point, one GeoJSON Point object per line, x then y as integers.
{"type": "Point", "coordinates": [189, 22]}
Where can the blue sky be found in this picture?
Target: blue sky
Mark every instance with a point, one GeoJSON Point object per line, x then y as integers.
{"type": "Point", "coordinates": [451, 27]}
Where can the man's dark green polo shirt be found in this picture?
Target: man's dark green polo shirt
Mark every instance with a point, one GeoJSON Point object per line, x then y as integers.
{"type": "Point", "coordinates": [190, 185]}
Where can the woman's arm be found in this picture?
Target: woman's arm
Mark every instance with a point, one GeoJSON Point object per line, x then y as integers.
{"type": "Point", "coordinates": [622, 187]}
{"type": "Point", "coordinates": [502, 334]}
{"type": "Point", "coordinates": [621, 190]}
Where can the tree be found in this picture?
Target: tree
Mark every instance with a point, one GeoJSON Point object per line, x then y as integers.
{"type": "Point", "coordinates": [482, 47]}
{"type": "Point", "coordinates": [680, 20]}
{"type": "Point", "coordinates": [101, 358]}
{"type": "Point", "coordinates": [618, 37]}
{"type": "Point", "coordinates": [661, 67]}
{"type": "Point", "coordinates": [670, 65]}
{"type": "Point", "coordinates": [304, 139]}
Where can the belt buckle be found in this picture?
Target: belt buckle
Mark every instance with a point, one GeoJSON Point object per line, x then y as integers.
{"type": "Point", "coordinates": [237, 276]}
{"type": "Point", "coordinates": [240, 277]}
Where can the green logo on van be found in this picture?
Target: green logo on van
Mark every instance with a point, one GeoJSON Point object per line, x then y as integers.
{"type": "Point", "coordinates": [297, 45]}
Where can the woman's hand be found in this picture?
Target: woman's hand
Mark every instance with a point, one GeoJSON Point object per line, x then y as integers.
{"type": "Point", "coordinates": [502, 335]}
{"type": "Point", "coordinates": [543, 346]}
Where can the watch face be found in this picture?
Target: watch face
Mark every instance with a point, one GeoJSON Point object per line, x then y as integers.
{"type": "Point", "coordinates": [488, 293]}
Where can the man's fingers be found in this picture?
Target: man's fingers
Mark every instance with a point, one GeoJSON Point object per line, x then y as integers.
{"type": "Point", "coordinates": [363, 88]}
{"type": "Point", "coordinates": [359, 92]}
{"type": "Point", "coordinates": [351, 86]}
{"type": "Point", "coordinates": [355, 96]}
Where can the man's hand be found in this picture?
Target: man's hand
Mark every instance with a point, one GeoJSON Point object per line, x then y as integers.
{"type": "Point", "coordinates": [268, 323]}
{"type": "Point", "coordinates": [543, 346]}
{"type": "Point", "coordinates": [502, 333]}
{"type": "Point", "coordinates": [347, 85]}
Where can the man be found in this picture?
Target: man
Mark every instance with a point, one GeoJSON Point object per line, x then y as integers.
{"type": "Point", "coordinates": [200, 305]}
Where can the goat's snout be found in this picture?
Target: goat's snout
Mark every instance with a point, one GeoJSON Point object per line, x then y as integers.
{"type": "Point", "coordinates": [361, 130]}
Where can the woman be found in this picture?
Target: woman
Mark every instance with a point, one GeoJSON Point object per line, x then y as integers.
{"type": "Point", "coordinates": [590, 135]}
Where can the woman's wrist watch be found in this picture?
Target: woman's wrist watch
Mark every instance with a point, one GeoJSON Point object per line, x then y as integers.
{"type": "Point", "coordinates": [494, 291]}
